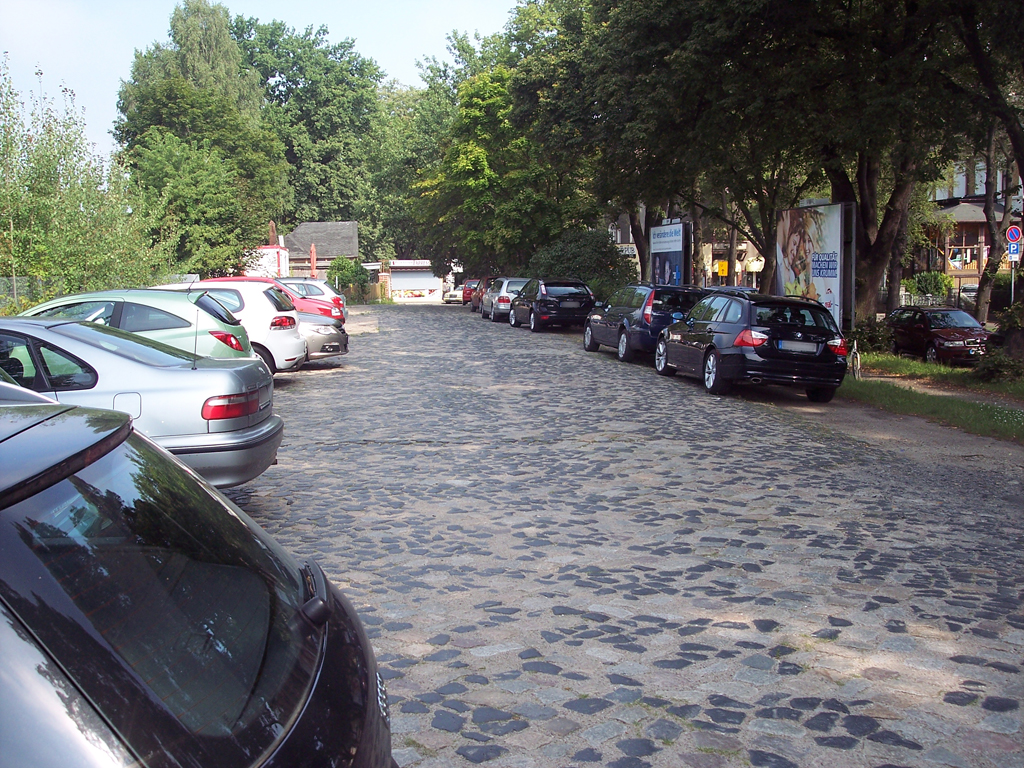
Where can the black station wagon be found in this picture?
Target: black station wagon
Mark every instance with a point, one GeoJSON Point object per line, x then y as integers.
{"type": "Point", "coordinates": [739, 336]}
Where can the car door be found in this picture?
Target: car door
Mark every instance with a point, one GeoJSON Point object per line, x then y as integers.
{"type": "Point", "coordinates": [51, 371]}
{"type": "Point", "coordinates": [524, 300]}
{"type": "Point", "coordinates": [101, 311]}
{"type": "Point", "coordinates": [601, 323]}
{"type": "Point", "coordinates": [917, 332]}
{"type": "Point", "coordinates": [701, 333]}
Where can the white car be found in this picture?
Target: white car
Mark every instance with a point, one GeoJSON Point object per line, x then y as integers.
{"type": "Point", "coordinates": [268, 316]}
{"type": "Point", "coordinates": [453, 295]}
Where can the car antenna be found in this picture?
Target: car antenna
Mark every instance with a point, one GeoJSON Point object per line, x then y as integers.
{"type": "Point", "coordinates": [195, 342]}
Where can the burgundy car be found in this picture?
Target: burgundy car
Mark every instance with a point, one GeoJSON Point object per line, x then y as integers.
{"type": "Point", "coordinates": [478, 292]}
{"type": "Point", "coordinates": [938, 334]}
{"type": "Point", "coordinates": [302, 303]}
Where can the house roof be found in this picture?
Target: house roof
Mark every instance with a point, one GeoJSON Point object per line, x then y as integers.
{"type": "Point", "coordinates": [332, 239]}
{"type": "Point", "coordinates": [967, 210]}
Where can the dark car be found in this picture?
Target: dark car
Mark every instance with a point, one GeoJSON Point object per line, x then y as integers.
{"type": "Point", "coordinates": [481, 288]}
{"type": "Point", "coordinates": [146, 620]}
{"type": "Point", "coordinates": [467, 290]}
{"type": "Point", "coordinates": [739, 336]}
{"type": "Point", "coordinates": [551, 302]}
{"type": "Point", "coordinates": [633, 317]}
{"type": "Point", "coordinates": [938, 334]}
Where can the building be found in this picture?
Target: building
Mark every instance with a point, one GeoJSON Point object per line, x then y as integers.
{"type": "Point", "coordinates": [329, 239]}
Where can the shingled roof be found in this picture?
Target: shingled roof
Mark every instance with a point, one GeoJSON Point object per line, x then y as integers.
{"type": "Point", "coordinates": [332, 239]}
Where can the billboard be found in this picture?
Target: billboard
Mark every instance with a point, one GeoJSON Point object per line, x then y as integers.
{"type": "Point", "coordinates": [809, 251]}
{"type": "Point", "coordinates": [667, 254]}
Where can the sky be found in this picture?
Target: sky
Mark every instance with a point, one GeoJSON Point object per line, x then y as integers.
{"type": "Point", "coordinates": [88, 45]}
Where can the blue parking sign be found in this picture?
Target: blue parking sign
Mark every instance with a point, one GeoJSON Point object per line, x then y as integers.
{"type": "Point", "coordinates": [1013, 251]}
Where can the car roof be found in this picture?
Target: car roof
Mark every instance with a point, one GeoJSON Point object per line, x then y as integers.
{"type": "Point", "coordinates": [42, 443]}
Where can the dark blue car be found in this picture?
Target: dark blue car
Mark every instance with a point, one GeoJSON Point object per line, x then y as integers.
{"type": "Point", "coordinates": [633, 317]}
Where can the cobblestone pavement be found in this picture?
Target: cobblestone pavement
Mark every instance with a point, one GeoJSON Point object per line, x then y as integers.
{"type": "Point", "coordinates": [568, 561]}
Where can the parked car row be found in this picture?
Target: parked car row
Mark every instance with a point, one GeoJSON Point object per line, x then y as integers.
{"type": "Point", "coordinates": [192, 364]}
{"type": "Point", "coordinates": [723, 336]}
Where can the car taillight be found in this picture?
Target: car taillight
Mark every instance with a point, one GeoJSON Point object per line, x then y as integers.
{"type": "Point", "coordinates": [231, 406]}
{"type": "Point", "coordinates": [504, 300]}
{"type": "Point", "coordinates": [282, 321]}
{"type": "Point", "coordinates": [838, 346]}
{"type": "Point", "coordinates": [649, 308]}
{"type": "Point", "coordinates": [749, 338]}
{"type": "Point", "coordinates": [228, 338]}
{"type": "Point", "coordinates": [543, 290]}
{"type": "Point", "coordinates": [335, 312]}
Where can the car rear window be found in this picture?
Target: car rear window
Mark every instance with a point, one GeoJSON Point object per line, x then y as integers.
{"type": "Point", "coordinates": [279, 299]}
{"type": "Point", "coordinates": [125, 344]}
{"type": "Point", "coordinates": [213, 306]}
{"type": "Point", "coordinates": [565, 289]}
{"type": "Point", "coordinates": [789, 314]}
{"type": "Point", "coordinates": [674, 301]}
{"type": "Point", "coordinates": [176, 617]}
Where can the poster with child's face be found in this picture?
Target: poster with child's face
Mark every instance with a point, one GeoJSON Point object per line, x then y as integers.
{"type": "Point", "coordinates": [808, 255]}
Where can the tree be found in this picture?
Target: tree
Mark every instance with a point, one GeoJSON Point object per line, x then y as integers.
{"type": "Point", "coordinates": [322, 98]}
{"type": "Point", "coordinates": [64, 215]}
{"type": "Point", "coordinates": [587, 255]}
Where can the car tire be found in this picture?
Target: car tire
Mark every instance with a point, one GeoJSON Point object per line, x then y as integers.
{"type": "Point", "coordinates": [895, 348]}
{"type": "Point", "coordinates": [713, 381]}
{"type": "Point", "coordinates": [535, 324]}
{"type": "Point", "coordinates": [512, 318]}
{"type": "Point", "coordinates": [482, 315]}
{"type": "Point", "coordinates": [820, 394]}
{"type": "Point", "coordinates": [266, 357]}
{"type": "Point", "coordinates": [494, 317]}
{"type": "Point", "coordinates": [624, 352]}
{"type": "Point", "coordinates": [931, 355]}
{"type": "Point", "coordinates": [661, 359]}
{"type": "Point", "coordinates": [588, 339]}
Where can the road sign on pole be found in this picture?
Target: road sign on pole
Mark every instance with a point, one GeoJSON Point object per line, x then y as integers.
{"type": "Point", "coordinates": [1013, 234]}
{"type": "Point", "coordinates": [1013, 252]}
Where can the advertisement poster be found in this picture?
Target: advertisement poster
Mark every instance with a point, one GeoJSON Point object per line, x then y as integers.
{"type": "Point", "coordinates": [667, 254]}
{"type": "Point", "coordinates": [809, 255]}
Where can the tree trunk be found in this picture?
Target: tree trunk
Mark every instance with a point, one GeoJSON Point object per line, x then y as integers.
{"type": "Point", "coordinates": [899, 249]}
{"type": "Point", "coordinates": [698, 242]}
{"type": "Point", "coordinates": [636, 229]}
{"type": "Point", "coordinates": [731, 274]}
{"type": "Point", "coordinates": [995, 233]}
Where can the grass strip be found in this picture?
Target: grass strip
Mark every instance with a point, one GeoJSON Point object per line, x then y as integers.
{"type": "Point", "coordinates": [976, 418]}
{"type": "Point", "coordinates": [912, 368]}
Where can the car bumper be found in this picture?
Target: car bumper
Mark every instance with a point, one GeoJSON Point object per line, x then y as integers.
{"type": "Point", "coordinates": [758, 370]}
{"type": "Point", "coordinates": [960, 354]}
{"type": "Point", "coordinates": [229, 458]}
{"type": "Point", "coordinates": [327, 346]}
{"type": "Point", "coordinates": [564, 316]}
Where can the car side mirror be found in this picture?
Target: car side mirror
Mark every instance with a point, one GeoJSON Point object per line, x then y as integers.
{"type": "Point", "coordinates": [598, 304]}
{"type": "Point", "coordinates": [677, 316]}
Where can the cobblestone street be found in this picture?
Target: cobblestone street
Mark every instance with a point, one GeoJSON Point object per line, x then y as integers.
{"type": "Point", "coordinates": [564, 560]}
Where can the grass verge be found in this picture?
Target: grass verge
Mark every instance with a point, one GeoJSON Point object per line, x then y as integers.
{"type": "Point", "coordinates": [976, 418]}
{"type": "Point", "coordinates": [962, 378]}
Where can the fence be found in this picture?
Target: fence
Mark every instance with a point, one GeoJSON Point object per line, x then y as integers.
{"type": "Point", "coordinates": [18, 293]}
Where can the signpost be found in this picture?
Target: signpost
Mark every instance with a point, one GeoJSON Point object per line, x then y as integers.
{"type": "Point", "coordinates": [1013, 235]}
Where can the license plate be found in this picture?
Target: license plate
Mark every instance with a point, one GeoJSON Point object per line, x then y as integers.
{"type": "Point", "coordinates": [570, 305]}
{"type": "Point", "coordinates": [330, 348]}
{"type": "Point", "coordinates": [798, 346]}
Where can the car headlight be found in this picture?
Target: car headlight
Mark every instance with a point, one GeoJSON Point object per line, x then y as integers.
{"type": "Point", "coordinates": [323, 330]}
{"type": "Point", "coordinates": [951, 343]}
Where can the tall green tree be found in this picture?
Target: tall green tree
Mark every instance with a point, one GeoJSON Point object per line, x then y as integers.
{"type": "Point", "coordinates": [322, 97]}
{"type": "Point", "coordinates": [65, 215]}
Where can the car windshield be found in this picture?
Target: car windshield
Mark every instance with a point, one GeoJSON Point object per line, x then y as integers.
{"type": "Point", "coordinates": [794, 314]}
{"type": "Point", "coordinates": [174, 614]}
{"type": "Point", "coordinates": [955, 318]}
{"type": "Point", "coordinates": [565, 289]}
{"type": "Point", "coordinates": [129, 345]}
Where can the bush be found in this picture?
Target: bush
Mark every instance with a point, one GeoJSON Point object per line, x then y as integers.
{"type": "Point", "coordinates": [1012, 319]}
{"type": "Point", "coordinates": [928, 283]}
{"type": "Point", "coordinates": [871, 336]}
{"type": "Point", "coordinates": [998, 366]}
{"type": "Point", "coordinates": [587, 255]}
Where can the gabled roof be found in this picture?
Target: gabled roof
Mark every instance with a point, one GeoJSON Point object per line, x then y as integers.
{"type": "Point", "coordinates": [332, 239]}
{"type": "Point", "coordinates": [967, 210]}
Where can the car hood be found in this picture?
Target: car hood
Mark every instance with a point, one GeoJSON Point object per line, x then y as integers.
{"type": "Point", "coordinates": [961, 334]}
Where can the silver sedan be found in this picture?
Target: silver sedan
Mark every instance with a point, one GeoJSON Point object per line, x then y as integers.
{"type": "Point", "coordinates": [325, 337]}
{"type": "Point", "coordinates": [216, 415]}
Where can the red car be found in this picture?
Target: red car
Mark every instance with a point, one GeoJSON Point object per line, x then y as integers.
{"type": "Point", "coordinates": [478, 292]}
{"type": "Point", "coordinates": [467, 290]}
{"type": "Point", "coordinates": [302, 303]}
{"type": "Point", "coordinates": [938, 334]}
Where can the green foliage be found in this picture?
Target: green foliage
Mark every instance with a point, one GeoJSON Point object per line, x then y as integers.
{"type": "Point", "coordinates": [999, 366]}
{"type": "Point", "coordinates": [1013, 318]}
{"type": "Point", "coordinates": [587, 255]}
{"type": "Point", "coordinates": [928, 283]}
{"type": "Point", "coordinates": [64, 215]}
{"type": "Point", "coordinates": [871, 336]}
{"type": "Point", "coordinates": [345, 272]}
